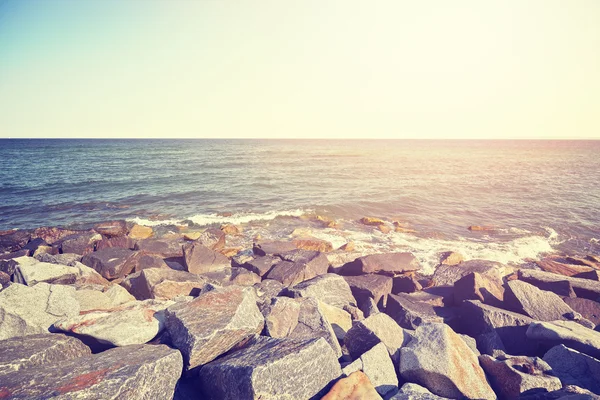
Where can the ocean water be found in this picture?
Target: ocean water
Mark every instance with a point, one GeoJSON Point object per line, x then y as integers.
{"type": "Point", "coordinates": [541, 196]}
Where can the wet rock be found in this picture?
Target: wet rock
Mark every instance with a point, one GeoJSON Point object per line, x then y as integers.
{"type": "Point", "coordinates": [589, 309]}
{"type": "Point", "coordinates": [412, 391]}
{"type": "Point", "coordinates": [312, 323]}
{"type": "Point", "coordinates": [408, 313]}
{"type": "Point", "coordinates": [372, 286]}
{"type": "Point", "coordinates": [112, 228]}
{"type": "Point", "coordinates": [368, 332]}
{"type": "Point", "coordinates": [356, 386]}
{"type": "Point", "coordinates": [384, 264]}
{"type": "Point", "coordinates": [35, 350]}
{"type": "Point", "coordinates": [340, 320]}
{"type": "Point", "coordinates": [200, 259]}
{"type": "Point", "coordinates": [405, 284]}
{"type": "Point", "coordinates": [26, 310]}
{"type": "Point", "coordinates": [212, 238]}
{"type": "Point", "coordinates": [448, 275]}
{"type": "Point", "coordinates": [299, 266]}
{"type": "Point", "coordinates": [377, 365]}
{"type": "Point", "coordinates": [538, 304]}
{"type": "Point", "coordinates": [281, 317]}
{"type": "Point", "coordinates": [51, 235]}
{"type": "Point", "coordinates": [574, 368]}
{"type": "Point", "coordinates": [451, 258]}
{"type": "Point", "coordinates": [111, 263]}
{"type": "Point", "coordinates": [312, 243]}
{"type": "Point", "coordinates": [122, 242]}
{"type": "Point", "coordinates": [138, 232]}
{"type": "Point", "coordinates": [213, 323]}
{"type": "Point", "coordinates": [584, 288]}
{"type": "Point", "coordinates": [474, 286]}
{"type": "Point", "coordinates": [166, 284]}
{"type": "Point", "coordinates": [30, 271]}
{"type": "Point", "coordinates": [569, 333]}
{"type": "Point", "coordinates": [131, 323]}
{"type": "Point", "coordinates": [329, 288]}
{"type": "Point", "coordinates": [262, 370]}
{"type": "Point", "coordinates": [439, 359]}
{"type": "Point", "coordinates": [14, 241]}
{"type": "Point", "coordinates": [264, 248]}
{"type": "Point", "coordinates": [161, 247]}
{"type": "Point", "coordinates": [261, 265]}
{"type": "Point", "coordinates": [79, 243]}
{"type": "Point", "coordinates": [132, 372]}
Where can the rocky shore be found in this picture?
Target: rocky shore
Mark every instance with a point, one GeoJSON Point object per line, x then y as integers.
{"type": "Point", "coordinates": [124, 311]}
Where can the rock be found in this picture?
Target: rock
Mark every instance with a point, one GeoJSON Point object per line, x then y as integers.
{"type": "Point", "coordinates": [338, 258]}
{"type": "Point", "coordinates": [331, 289]}
{"type": "Point", "coordinates": [4, 280]}
{"type": "Point", "coordinates": [451, 258]}
{"type": "Point", "coordinates": [377, 365]}
{"type": "Point", "coordinates": [340, 320]}
{"type": "Point", "coordinates": [261, 265]}
{"type": "Point", "coordinates": [30, 271]}
{"type": "Point", "coordinates": [369, 308]}
{"type": "Point", "coordinates": [486, 228]}
{"type": "Point", "coordinates": [88, 276]}
{"type": "Point", "coordinates": [35, 244]}
{"type": "Point", "coordinates": [490, 343]}
{"type": "Point", "coordinates": [262, 370]}
{"type": "Point", "coordinates": [299, 266]}
{"type": "Point", "coordinates": [111, 263]}
{"type": "Point", "coordinates": [412, 391]}
{"type": "Point", "coordinates": [36, 350]}
{"type": "Point", "coordinates": [131, 323]}
{"type": "Point", "coordinates": [356, 386]}
{"type": "Point", "coordinates": [349, 246]}
{"type": "Point", "coordinates": [569, 333]}
{"type": "Point", "coordinates": [230, 251]}
{"type": "Point", "coordinates": [539, 304]}
{"type": "Point", "coordinates": [512, 376]}
{"type": "Point", "coordinates": [138, 232]}
{"type": "Point", "coordinates": [448, 275]}
{"type": "Point", "coordinates": [133, 372]}
{"type": "Point", "coordinates": [471, 343]}
{"type": "Point", "coordinates": [103, 298]}
{"type": "Point", "coordinates": [589, 309]}
{"type": "Point", "coordinates": [213, 323]}
{"type": "Point", "coordinates": [372, 286]}
{"type": "Point", "coordinates": [553, 266]}
{"type": "Point", "coordinates": [405, 284]}
{"type": "Point", "coordinates": [14, 241]}
{"type": "Point", "coordinates": [372, 221]}
{"type": "Point", "coordinates": [408, 313]}
{"type": "Point", "coordinates": [230, 229]}
{"type": "Point", "coordinates": [265, 291]}
{"type": "Point", "coordinates": [52, 235]}
{"type": "Point", "coordinates": [79, 243]}
{"type": "Point", "coordinates": [474, 286]}
{"type": "Point", "coordinates": [314, 244]}
{"type": "Point", "coordinates": [232, 276]}
{"type": "Point", "coordinates": [593, 275]}
{"type": "Point", "coordinates": [163, 248]}
{"type": "Point", "coordinates": [281, 317]}
{"type": "Point", "coordinates": [385, 264]}
{"type": "Point", "coordinates": [312, 323]}
{"type": "Point", "coordinates": [140, 261]}
{"type": "Point", "coordinates": [568, 392]}
{"type": "Point", "coordinates": [585, 288]}
{"type": "Point", "coordinates": [166, 284]}
{"type": "Point", "coordinates": [264, 248]}
{"type": "Point", "coordinates": [372, 330]}
{"type": "Point", "coordinates": [122, 242]}
{"type": "Point", "coordinates": [200, 259]}
{"type": "Point", "coordinates": [574, 368]}
{"type": "Point", "coordinates": [112, 228]}
{"type": "Point", "coordinates": [64, 259]}
{"type": "Point", "coordinates": [14, 254]}
{"type": "Point", "coordinates": [28, 310]}
{"type": "Point", "coordinates": [439, 359]}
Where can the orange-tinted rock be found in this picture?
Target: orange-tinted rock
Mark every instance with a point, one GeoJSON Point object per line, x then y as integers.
{"type": "Point", "coordinates": [550, 265]}
{"type": "Point", "coordinates": [51, 235]}
{"type": "Point", "coordinates": [481, 228]}
{"type": "Point", "coordinates": [112, 228]}
{"type": "Point", "coordinates": [349, 247]}
{"type": "Point", "coordinates": [372, 221]}
{"type": "Point", "coordinates": [122, 242]}
{"type": "Point", "coordinates": [138, 232]}
{"type": "Point", "coordinates": [212, 238]}
{"type": "Point", "coordinates": [230, 251]}
{"type": "Point", "coordinates": [386, 264]}
{"type": "Point", "coordinates": [451, 258]}
{"type": "Point", "coordinates": [200, 259]}
{"type": "Point", "coordinates": [311, 243]}
{"type": "Point", "coordinates": [357, 386]}
{"type": "Point", "coordinates": [384, 228]}
{"type": "Point", "coordinates": [230, 229]}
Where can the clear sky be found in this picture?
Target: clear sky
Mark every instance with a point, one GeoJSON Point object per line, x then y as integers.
{"type": "Point", "coordinates": [307, 69]}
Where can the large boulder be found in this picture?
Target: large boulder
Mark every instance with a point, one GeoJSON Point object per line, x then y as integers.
{"type": "Point", "coordinates": [574, 368]}
{"type": "Point", "coordinates": [264, 248]}
{"type": "Point", "coordinates": [513, 376]}
{"type": "Point", "coordinates": [35, 350]}
{"type": "Point", "coordinates": [589, 309]}
{"type": "Point", "coordinates": [134, 372]}
{"type": "Point", "coordinates": [26, 310]}
{"type": "Point", "coordinates": [14, 241]}
{"type": "Point", "coordinates": [299, 266]}
{"type": "Point", "coordinates": [585, 288]}
{"type": "Point", "coordinates": [372, 286]}
{"type": "Point", "coordinates": [213, 238]}
{"type": "Point", "coordinates": [331, 289]}
{"type": "Point", "coordinates": [79, 243]}
{"type": "Point", "coordinates": [378, 328]}
{"type": "Point", "coordinates": [569, 333]}
{"type": "Point", "coordinates": [200, 259]}
{"type": "Point", "coordinates": [122, 242]}
{"type": "Point", "coordinates": [111, 263]}
{"type": "Point", "coordinates": [408, 313]}
{"type": "Point", "coordinates": [355, 386]}
{"type": "Point", "coordinates": [261, 265]}
{"type": "Point", "coordinates": [139, 232]}
{"type": "Point", "coordinates": [262, 370]}
{"type": "Point", "coordinates": [412, 391]}
{"type": "Point", "coordinates": [340, 320]}
{"type": "Point", "coordinates": [166, 284]}
{"type": "Point", "coordinates": [213, 323]}
{"type": "Point", "coordinates": [281, 317]}
{"type": "Point", "coordinates": [377, 365]}
{"type": "Point", "coordinates": [406, 284]}
{"type": "Point", "coordinates": [540, 305]}
{"type": "Point", "coordinates": [30, 271]}
{"type": "Point", "coordinates": [135, 322]}
{"type": "Point", "coordinates": [313, 323]}
{"type": "Point", "coordinates": [440, 360]}
{"type": "Point", "coordinates": [385, 264]}
{"type": "Point", "coordinates": [166, 248]}
{"type": "Point", "coordinates": [474, 286]}
{"type": "Point", "coordinates": [112, 228]}
{"type": "Point", "coordinates": [447, 275]}
{"type": "Point", "coordinates": [51, 235]}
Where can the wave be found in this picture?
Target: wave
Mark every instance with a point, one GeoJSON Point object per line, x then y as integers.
{"type": "Point", "coordinates": [210, 219]}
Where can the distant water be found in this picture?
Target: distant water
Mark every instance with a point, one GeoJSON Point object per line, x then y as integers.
{"type": "Point", "coordinates": [542, 196]}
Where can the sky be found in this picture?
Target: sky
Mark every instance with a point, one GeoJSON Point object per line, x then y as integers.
{"type": "Point", "coordinates": [462, 69]}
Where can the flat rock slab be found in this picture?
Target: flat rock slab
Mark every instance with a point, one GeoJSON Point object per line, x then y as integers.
{"type": "Point", "coordinates": [161, 247]}
{"type": "Point", "coordinates": [264, 248]}
{"type": "Point", "coordinates": [371, 286]}
{"type": "Point", "coordinates": [574, 368]}
{"type": "Point", "coordinates": [409, 313]}
{"type": "Point", "coordinates": [166, 284]}
{"type": "Point", "coordinates": [30, 271]}
{"type": "Point", "coordinates": [272, 369]}
{"type": "Point", "coordinates": [385, 264]}
{"type": "Point", "coordinates": [213, 323]}
{"type": "Point", "coordinates": [355, 386]}
{"type": "Point", "coordinates": [569, 333]}
{"type": "Point", "coordinates": [136, 322]}
{"type": "Point", "coordinates": [35, 350]}
{"type": "Point", "coordinates": [585, 288]}
{"type": "Point", "coordinates": [26, 310]}
{"type": "Point", "coordinates": [512, 376]}
{"type": "Point", "coordinates": [378, 328]}
{"type": "Point", "coordinates": [331, 289]}
{"type": "Point", "coordinates": [540, 305]}
{"type": "Point", "coordinates": [200, 259]}
{"type": "Point", "coordinates": [261, 265]}
{"type": "Point", "coordinates": [447, 275]}
{"type": "Point", "coordinates": [135, 372]}
{"type": "Point", "coordinates": [379, 368]}
{"type": "Point", "coordinates": [102, 298]}
{"type": "Point", "coordinates": [111, 263]}
{"type": "Point", "coordinates": [439, 359]}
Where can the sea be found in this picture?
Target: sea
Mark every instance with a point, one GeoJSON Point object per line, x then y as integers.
{"type": "Point", "coordinates": [539, 197]}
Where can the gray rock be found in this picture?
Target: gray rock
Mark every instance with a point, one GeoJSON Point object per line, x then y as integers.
{"type": "Point", "coordinates": [370, 308]}
{"type": "Point", "coordinates": [281, 317]}
{"type": "Point", "coordinates": [158, 283]}
{"type": "Point", "coordinates": [213, 323]}
{"type": "Point", "coordinates": [14, 241]}
{"type": "Point", "coordinates": [312, 323]}
{"type": "Point", "coordinates": [569, 333]}
{"type": "Point", "coordinates": [123, 242]}
{"type": "Point", "coordinates": [79, 243]}
{"type": "Point", "coordinates": [261, 265]}
{"type": "Point", "coordinates": [384, 264]}
{"type": "Point", "coordinates": [30, 271]}
{"type": "Point", "coordinates": [490, 343]}
{"type": "Point", "coordinates": [232, 276]}
{"type": "Point", "coordinates": [340, 320]}
{"type": "Point", "coordinates": [566, 393]}
{"type": "Point", "coordinates": [88, 276]}
{"type": "Point", "coordinates": [161, 247]}
{"type": "Point", "coordinates": [412, 391]}
{"type": "Point", "coordinates": [372, 286]}
{"type": "Point", "coordinates": [589, 309]}
{"type": "Point", "coordinates": [35, 350]}
{"type": "Point", "coordinates": [111, 263]}
{"type": "Point", "coordinates": [585, 288]}
{"type": "Point", "coordinates": [266, 290]}
{"type": "Point", "coordinates": [64, 259]}
{"type": "Point", "coordinates": [574, 368]}
{"type": "Point", "coordinates": [406, 284]}
{"type": "Point", "coordinates": [540, 305]}
{"type": "Point", "coordinates": [377, 365]}
{"type": "Point", "coordinates": [471, 342]}
{"type": "Point", "coordinates": [200, 259]}
{"type": "Point", "coordinates": [513, 376]}
{"type": "Point", "coordinates": [264, 248]}
{"type": "Point", "coordinates": [474, 286]}
{"type": "Point", "coordinates": [331, 289]}
{"type": "Point", "coordinates": [213, 238]}
{"type": "Point", "coordinates": [408, 313]}
{"type": "Point", "coordinates": [372, 330]}
{"type": "Point", "coordinates": [26, 310]}
{"type": "Point", "coordinates": [262, 370]}
{"type": "Point", "coordinates": [101, 298]}
{"type": "Point", "coordinates": [448, 275]}
{"type": "Point", "coordinates": [439, 359]}
{"type": "Point", "coordinates": [135, 372]}
{"type": "Point", "coordinates": [299, 266]}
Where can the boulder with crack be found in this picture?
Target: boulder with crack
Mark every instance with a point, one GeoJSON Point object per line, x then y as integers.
{"type": "Point", "coordinates": [331, 289]}
{"type": "Point", "coordinates": [574, 368]}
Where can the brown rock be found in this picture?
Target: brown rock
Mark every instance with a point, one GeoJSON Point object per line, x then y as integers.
{"type": "Point", "coordinates": [556, 267]}
{"type": "Point", "coordinates": [447, 275]}
{"type": "Point", "coordinates": [140, 260]}
{"type": "Point", "coordinates": [405, 284]}
{"type": "Point", "coordinates": [374, 286]}
{"type": "Point", "coordinates": [474, 286]}
{"type": "Point", "coordinates": [589, 309]}
{"type": "Point", "coordinates": [539, 304]}
{"type": "Point", "coordinates": [372, 221]}
{"type": "Point", "coordinates": [212, 238]}
{"type": "Point", "coordinates": [408, 313]}
{"type": "Point", "coordinates": [451, 258]}
{"type": "Point", "coordinates": [112, 228]}
{"type": "Point", "coordinates": [261, 265]}
{"type": "Point", "coordinates": [139, 232]}
{"type": "Point", "coordinates": [232, 276]}
{"type": "Point", "coordinates": [263, 248]}
{"type": "Point", "coordinates": [78, 243]}
{"type": "Point", "coordinates": [298, 266]}
{"type": "Point", "coordinates": [122, 242]}
{"type": "Point", "coordinates": [166, 284]}
{"type": "Point", "coordinates": [354, 387]}
{"type": "Point", "coordinates": [348, 247]}
{"type": "Point", "coordinates": [111, 263]}
{"type": "Point", "coordinates": [200, 259]}
{"type": "Point", "coordinates": [163, 248]}
{"type": "Point", "coordinates": [585, 288]}
{"type": "Point", "coordinates": [51, 235]}
{"type": "Point", "coordinates": [14, 241]}
{"type": "Point", "coordinates": [311, 243]}
{"type": "Point", "coordinates": [385, 264]}
{"type": "Point", "coordinates": [481, 228]}
{"type": "Point", "coordinates": [230, 229]}
{"type": "Point", "coordinates": [281, 317]}
{"type": "Point", "coordinates": [230, 251]}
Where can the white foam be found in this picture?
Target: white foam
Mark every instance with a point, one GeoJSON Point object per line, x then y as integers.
{"type": "Point", "coordinates": [209, 219]}
{"type": "Point", "coordinates": [149, 222]}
